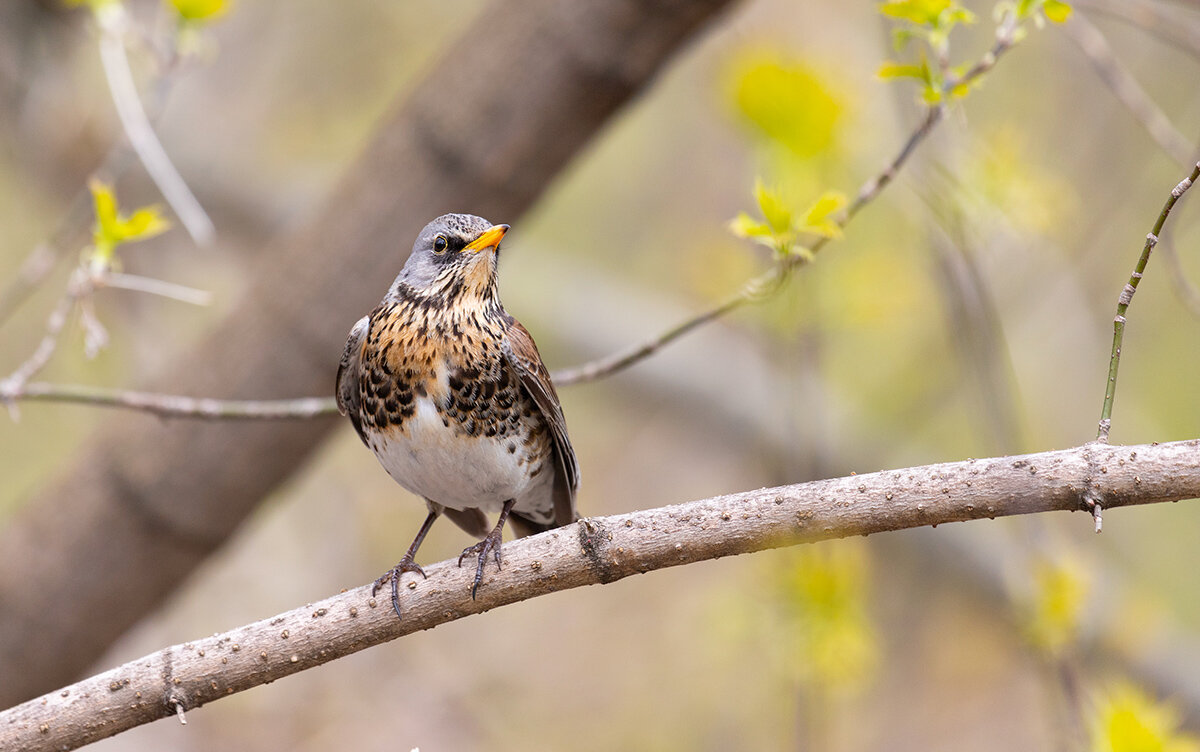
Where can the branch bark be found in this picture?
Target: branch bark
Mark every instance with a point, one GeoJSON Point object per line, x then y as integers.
{"type": "Point", "coordinates": [599, 551]}
{"type": "Point", "coordinates": [144, 503]}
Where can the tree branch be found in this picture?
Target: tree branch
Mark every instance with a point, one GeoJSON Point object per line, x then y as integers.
{"type": "Point", "coordinates": [141, 491]}
{"type": "Point", "coordinates": [769, 282]}
{"type": "Point", "coordinates": [599, 551]}
{"type": "Point", "coordinates": [1126, 298]}
{"type": "Point", "coordinates": [756, 289]}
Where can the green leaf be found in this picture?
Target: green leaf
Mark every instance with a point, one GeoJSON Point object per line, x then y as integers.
{"type": "Point", "coordinates": [1129, 720]}
{"type": "Point", "coordinates": [200, 10]}
{"type": "Point", "coordinates": [145, 223]}
{"type": "Point", "coordinates": [1056, 10]}
{"type": "Point", "coordinates": [113, 228]}
{"type": "Point", "coordinates": [818, 218]}
{"type": "Point", "coordinates": [787, 103]}
{"type": "Point", "coordinates": [745, 226]}
{"type": "Point", "coordinates": [889, 70]}
{"type": "Point", "coordinates": [930, 14]}
{"type": "Point", "coordinates": [778, 216]}
{"type": "Point", "coordinates": [1060, 594]}
{"type": "Point", "coordinates": [920, 12]}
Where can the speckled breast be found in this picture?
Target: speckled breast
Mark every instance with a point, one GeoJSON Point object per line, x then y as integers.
{"type": "Point", "coordinates": [446, 414]}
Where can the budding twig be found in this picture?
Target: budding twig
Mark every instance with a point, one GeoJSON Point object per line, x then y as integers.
{"type": "Point", "coordinates": [140, 133]}
{"type": "Point", "coordinates": [1126, 298]}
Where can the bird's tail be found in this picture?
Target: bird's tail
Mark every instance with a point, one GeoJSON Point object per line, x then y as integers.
{"type": "Point", "coordinates": [524, 526]}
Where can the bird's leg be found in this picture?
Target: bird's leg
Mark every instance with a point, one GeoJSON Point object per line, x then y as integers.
{"type": "Point", "coordinates": [407, 564]}
{"type": "Point", "coordinates": [490, 544]}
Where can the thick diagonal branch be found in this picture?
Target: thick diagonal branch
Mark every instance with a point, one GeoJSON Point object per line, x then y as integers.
{"type": "Point", "coordinates": [597, 551]}
{"type": "Point", "coordinates": [146, 501]}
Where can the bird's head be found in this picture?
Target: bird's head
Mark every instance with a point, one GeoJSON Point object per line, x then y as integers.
{"type": "Point", "coordinates": [454, 255]}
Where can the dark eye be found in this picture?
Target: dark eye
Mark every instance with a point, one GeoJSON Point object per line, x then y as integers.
{"type": "Point", "coordinates": [439, 245]}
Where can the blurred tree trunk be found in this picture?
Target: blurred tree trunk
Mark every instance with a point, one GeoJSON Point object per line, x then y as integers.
{"type": "Point", "coordinates": [146, 500]}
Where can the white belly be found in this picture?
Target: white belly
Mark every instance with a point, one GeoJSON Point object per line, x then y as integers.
{"type": "Point", "coordinates": [457, 471]}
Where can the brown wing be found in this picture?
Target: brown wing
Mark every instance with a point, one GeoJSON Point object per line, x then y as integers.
{"type": "Point", "coordinates": [348, 397]}
{"type": "Point", "coordinates": [522, 355]}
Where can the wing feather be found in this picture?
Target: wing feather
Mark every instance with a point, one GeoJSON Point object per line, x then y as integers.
{"type": "Point", "coordinates": [349, 401]}
{"type": "Point", "coordinates": [522, 354]}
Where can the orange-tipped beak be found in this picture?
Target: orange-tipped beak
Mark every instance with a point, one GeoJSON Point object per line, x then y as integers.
{"type": "Point", "coordinates": [489, 239]}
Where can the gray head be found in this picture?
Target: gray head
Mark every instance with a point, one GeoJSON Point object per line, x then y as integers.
{"type": "Point", "coordinates": [454, 252]}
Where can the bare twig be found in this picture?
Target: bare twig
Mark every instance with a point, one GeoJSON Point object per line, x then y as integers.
{"type": "Point", "coordinates": [1127, 89]}
{"type": "Point", "coordinates": [141, 134]}
{"type": "Point", "coordinates": [77, 287]}
{"type": "Point", "coordinates": [170, 405]}
{"type": "Point", "coordinates": [1123, 305]}
{"type": "Point", "coordinates": [83, 282]}
{"type": "Point", "coordinates": [769, 282]}
{"type": "Point", "coordinates": [596, 551]}
{"type": "Point", "coordinates": [159, 287]}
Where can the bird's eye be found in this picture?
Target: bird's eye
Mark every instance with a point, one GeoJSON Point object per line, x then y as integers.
{"type": "Point", "coordinates": [440, 244]}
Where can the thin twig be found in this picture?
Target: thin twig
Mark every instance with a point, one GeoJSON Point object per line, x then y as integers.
{"type": "Point", "coordinates": [1126, 89]}
{"type": "Point", "coordinates": [141, 134]}
{"type": "Point", "coordinates": [170, 405]}
{"type": "Point", "coordinates": [592, 551]}
{"type": "Point", "coordinates": [1127, 296]}
{"type": "Point", "coordinates": [766, 284]}
{"type": "Point", "coordinates": [153, 286]}
{"type": "Point", "coordinates": [77, 287]}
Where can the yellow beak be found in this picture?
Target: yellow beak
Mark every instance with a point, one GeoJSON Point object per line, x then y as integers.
{"type": "Point", "coordinates": [489, 239]}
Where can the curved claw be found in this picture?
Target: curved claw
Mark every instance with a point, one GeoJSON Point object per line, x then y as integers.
{"type": "Point", "coordinates": [491, 544]}
{"type": "Point", "coordinates": [393, 575]}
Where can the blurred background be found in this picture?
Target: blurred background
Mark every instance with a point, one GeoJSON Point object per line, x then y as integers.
{"type": "Point", "coordinates": [966, 313]}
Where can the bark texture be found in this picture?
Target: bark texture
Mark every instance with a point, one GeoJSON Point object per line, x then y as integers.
{"type": "Point", "coordinates": [595, 551]}
{"type": "Point", "coordinates": [147, 500]}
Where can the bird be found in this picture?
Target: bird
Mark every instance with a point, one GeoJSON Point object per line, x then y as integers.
{"type": "Point", "coordinates": [450, 393]}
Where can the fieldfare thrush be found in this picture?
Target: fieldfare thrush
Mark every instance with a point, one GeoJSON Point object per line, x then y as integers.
{"type": "Point", "coordinates": [451, 395]}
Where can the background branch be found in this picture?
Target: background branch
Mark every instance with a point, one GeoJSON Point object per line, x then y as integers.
{"type": "Point", "coordinates": [1126, 88]}
{"type": "Point", "coordinates": [599, 551]}
{"type": "Point", "coordinates": [112, 21]}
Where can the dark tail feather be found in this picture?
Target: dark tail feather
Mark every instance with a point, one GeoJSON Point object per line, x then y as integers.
{"type": "Point", "coordinates": [524, 526]}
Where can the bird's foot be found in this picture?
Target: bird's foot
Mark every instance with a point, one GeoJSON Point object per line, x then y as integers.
{"type": "Point", "coordinates": [489, 545]}
{"type": "Point", "coordinates": [393, 575]}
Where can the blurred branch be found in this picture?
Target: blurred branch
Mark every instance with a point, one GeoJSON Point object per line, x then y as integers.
{"type": "Point", "coordinates": [599, 551]}
{"type": "Point", "coordinates": [770, 282]}
{"type": "Point", "coordinates": [112, 20]}
{"type": "Point", "coordinates": [1164, 22]}
{"type": "Point", "coordinates": [72, 226]}
{"type": "Point", "coordinates": [1127, 89]}
{"type": "Point", "coordinates": [1123, 302]}
{"type": "Point", "coordinates": [1187, 292]}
